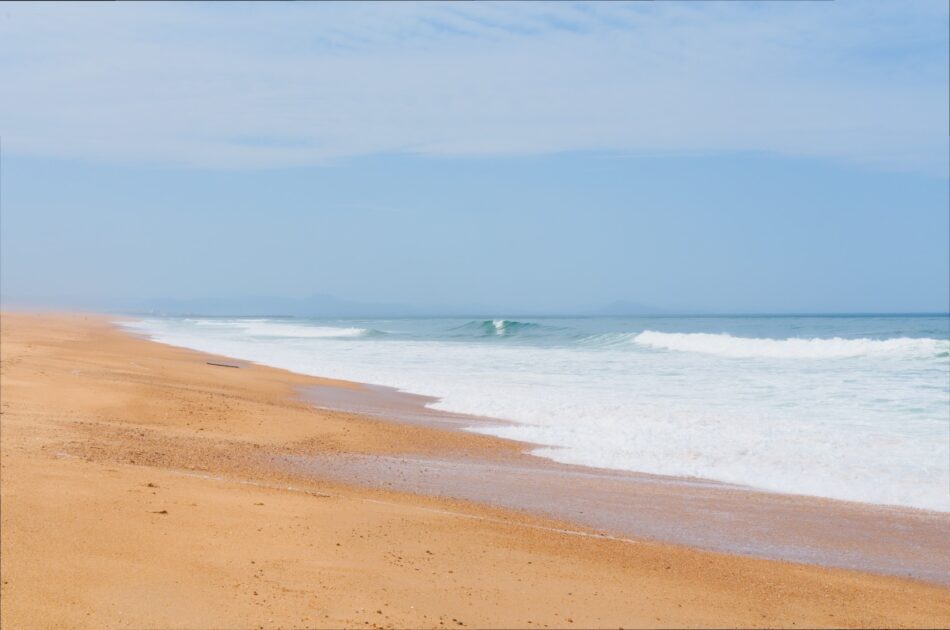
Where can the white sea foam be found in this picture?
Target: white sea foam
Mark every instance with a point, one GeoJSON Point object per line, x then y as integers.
{"type": "Point", "coordinates": [870, 425]}
{"type": "Point", "coordinates": [265, 329]}
{"type": "Point", "coordinates": [792, 348]}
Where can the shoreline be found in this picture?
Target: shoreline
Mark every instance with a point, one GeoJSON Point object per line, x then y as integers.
{"type": "Point", "coordinates": [123, 424]}
{"type": "Point", "coordinates": [693, 428]}
{"type": "Point", "coordinates": [696, 512]}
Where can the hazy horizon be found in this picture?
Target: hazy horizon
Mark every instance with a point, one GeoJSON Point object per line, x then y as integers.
{"type": "Point", "coordinates": [330, 307]}
{"type": "Point", "coordinates": [489, 158]}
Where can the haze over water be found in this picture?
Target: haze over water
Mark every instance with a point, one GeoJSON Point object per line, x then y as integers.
{"type": "Point", "coordinates": [849, 407]}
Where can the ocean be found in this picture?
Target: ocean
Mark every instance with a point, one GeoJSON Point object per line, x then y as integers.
{"type": "Point", "coordinates": [844, 407]}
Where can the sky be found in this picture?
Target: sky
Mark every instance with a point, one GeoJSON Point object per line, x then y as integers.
{"type": "Point", "coordinates": [491, 157]}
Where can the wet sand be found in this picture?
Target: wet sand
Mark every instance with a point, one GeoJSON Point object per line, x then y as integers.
{"type": "Point", "coordinates": [688, 511]}
{"type": "Point", "coordinates": [142, 487]}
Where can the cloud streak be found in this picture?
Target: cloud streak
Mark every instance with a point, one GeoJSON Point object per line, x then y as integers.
{"type": "Point", "coordinates": [268, 85]}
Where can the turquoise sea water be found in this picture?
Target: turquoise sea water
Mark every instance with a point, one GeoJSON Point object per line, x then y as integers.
{"type": "Point", "coordinates": [848, 407]}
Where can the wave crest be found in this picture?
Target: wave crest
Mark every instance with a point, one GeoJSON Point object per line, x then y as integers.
{"type": "Point", "coordinates": [496, 327]}
{"type": "Point", "coordinates": [726, 345]}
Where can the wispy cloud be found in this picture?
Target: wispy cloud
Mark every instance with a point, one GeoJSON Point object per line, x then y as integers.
{"type": "Point", "coordinates": [262, 85]}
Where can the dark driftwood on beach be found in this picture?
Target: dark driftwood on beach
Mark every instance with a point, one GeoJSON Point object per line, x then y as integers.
{"type": "Point", "coordinates": [222, 364]}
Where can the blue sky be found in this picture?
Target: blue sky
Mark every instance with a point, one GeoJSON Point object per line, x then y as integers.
{"type": "Point", "coordinates": [504, 157]}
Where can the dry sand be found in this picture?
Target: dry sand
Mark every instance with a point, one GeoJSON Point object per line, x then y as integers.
{"type": "Point", "coordinates": [138, 488]}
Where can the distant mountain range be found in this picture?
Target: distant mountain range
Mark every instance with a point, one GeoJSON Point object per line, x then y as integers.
{"type": "Point", "coordinates": [318, 305]}
{"type": "Point", "coordinates": [314, 306]}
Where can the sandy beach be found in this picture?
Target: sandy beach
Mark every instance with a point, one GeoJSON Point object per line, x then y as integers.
{"type": "Point", "coordinates": [143, 486]}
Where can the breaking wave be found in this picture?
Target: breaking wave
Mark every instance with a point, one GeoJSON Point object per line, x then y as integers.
{"type": "Point", "coordinates": [497, 327]}
{"type": "Point", "coordinates": [792, 348]}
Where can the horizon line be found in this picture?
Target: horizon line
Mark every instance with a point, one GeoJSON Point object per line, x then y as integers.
{"type": "Point", "coordinates": [478, 315]}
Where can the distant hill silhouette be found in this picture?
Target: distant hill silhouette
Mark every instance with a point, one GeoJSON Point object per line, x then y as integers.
{"type": "Point", "coordinates": [317, 305]}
